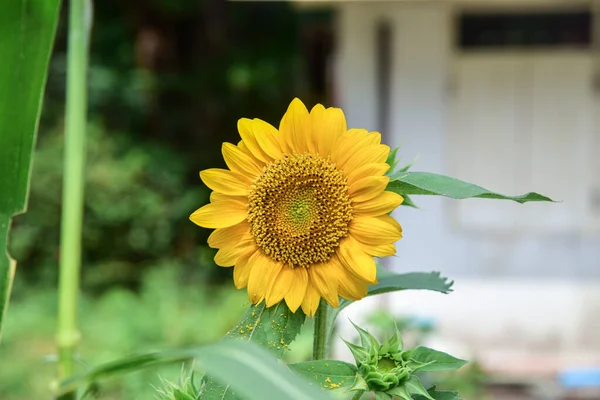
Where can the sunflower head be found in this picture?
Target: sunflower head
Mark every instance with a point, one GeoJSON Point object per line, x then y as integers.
{"type": "Point", "coordinates": [302, 210]}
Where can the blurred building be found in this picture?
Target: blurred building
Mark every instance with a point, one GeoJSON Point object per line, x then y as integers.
{"type": "Point", "coordinates": [504, 94]}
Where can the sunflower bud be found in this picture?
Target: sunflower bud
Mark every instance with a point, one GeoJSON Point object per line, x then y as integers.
{"type": "Point", "coordinates": [386, 367]}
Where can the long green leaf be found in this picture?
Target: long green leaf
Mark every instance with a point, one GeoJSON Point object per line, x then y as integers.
{"type": "Point", "coordinates": [273, 328]}
{"type": "Point", "coordinates": [425, 183]}
{"type": "Point", "coordinates": [251, 371]}
{"type": "Point", "coordinates": [27, 29]}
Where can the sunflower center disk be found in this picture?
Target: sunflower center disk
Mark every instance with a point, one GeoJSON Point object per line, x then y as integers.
{"type": "Point", "coordinates": [299, 210]}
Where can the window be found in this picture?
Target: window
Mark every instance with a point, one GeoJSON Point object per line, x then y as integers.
{"type": "Point", "coordinates": [483, 31]}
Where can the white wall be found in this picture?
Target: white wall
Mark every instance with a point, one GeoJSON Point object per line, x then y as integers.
{"type": "Point", "coordinates": [521, 279]}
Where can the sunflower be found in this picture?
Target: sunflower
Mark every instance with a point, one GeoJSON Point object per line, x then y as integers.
{"type": "Point", "coordinates": [302, 210]}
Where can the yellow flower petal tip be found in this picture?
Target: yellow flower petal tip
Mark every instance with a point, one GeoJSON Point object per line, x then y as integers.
{"type": "Point", "coordinates": [302, 210]}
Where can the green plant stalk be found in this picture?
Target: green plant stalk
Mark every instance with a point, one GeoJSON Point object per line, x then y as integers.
{"type": "Point", "coordinates": [321, 332]}
{"type": "Point", "coordinates": [73, 183]}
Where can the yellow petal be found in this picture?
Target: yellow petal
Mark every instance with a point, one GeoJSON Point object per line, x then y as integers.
{"type": "Point", "coordinates": [370, 155]}
{"type": "Point", "coordinates": [295, 295]}
{"type": "Point", "coordinates": [228, 255]}
{"type": "Point", "coordinates": [354, 141]}
{"type": "Point", "coordinates": [241, 271]}
{"type": "Point", "coordinates": [322, 277]}
{"type": "Point", "coordinates": [266, 136]}
{"type": "Point", "coordinates": [382, 204]}
{"type": "Point", "coordinates": [376, 230]}
{"type": "Point", "coordinates": [232, 234]}
{"type": "Point", "coordinates": [374, 169]}
{"type": "Point", "coordinates": [328, 126]}
{"type": "Point", "coordinates": [311, 301]}
{"type": "Point", "coordinates": [221, 214]}
{"type": "Point", "coordinates": [245, 128]}
{"type": "Point", "coordinates": [356, 260]}
{"type": "Point", "coordinates": [375, 137]}
{"type": "Point", "coordinates": [367, 188]}
{"type": "Point", "coordinates": [216, 196]}
{"type": "Point", "coordinates": [312, 140]}
{"type": "Point", "coordinates": [240, 162]}
{"type": "Point", "coordinates": [281, 286]}
{"type": "Point", "coordinates": [295, 127]}
{"type": "Point", "coordinates": [225, 181]}
{"type": "Point", "coordinates": [263, 271]}
{"type": "Point", "coordinates": [382, 250]}
{"type": "Point", "coordinates": [349, 286]}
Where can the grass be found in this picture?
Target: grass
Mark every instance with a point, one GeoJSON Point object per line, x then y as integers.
{"type": "Point", "coordinates": [167, 312]}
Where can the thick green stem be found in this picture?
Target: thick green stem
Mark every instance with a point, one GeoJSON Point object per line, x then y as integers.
{"type": "Point", "coordinates": [73, 182]}
{"type": "Point", "coordinates": [320, 343]}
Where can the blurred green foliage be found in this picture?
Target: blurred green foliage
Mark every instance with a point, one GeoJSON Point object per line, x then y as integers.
{"type": "Point", "coordinates": [169, 310]}
{"type": "Point", "coordinates": [136, 212]}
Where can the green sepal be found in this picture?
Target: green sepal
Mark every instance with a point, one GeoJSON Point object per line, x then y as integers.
{"type": "Point", "coordinates": [366, 339]}
{"type": "Point", "coordinates": [401, 392]}
{"type": "Point", "coordinates": [414, 386]}
{"type": "Point", "coordinates": [408, 202]}
{"type": "Point", "coordinates": [391, 159]}
{"type": "Point", "coordinates": [360, 355]}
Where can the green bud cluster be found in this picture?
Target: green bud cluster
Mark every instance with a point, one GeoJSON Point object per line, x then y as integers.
{"type": "Point", "coordinates": [386, 368]}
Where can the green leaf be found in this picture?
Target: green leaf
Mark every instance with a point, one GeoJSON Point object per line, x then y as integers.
{"type": "Point", "coordinates": [439, 395]}
{"type": "Point", "coordinates": [390, 282]}
{"type": "Point", "coordinates": [383, 396]}
{"type": "Point", "coordinates": [401, 392]}
{"type": "Point", "coordinates": [414, 386]}
{"type": "Point", "coordinates": [27, 29]}
{"type": "Point", "coordinates": [391, 159]}
{"type": "Point", "coordinates": [328, 374]}
{"type": "Point", "coordinates": [425, 183]}
{"type": "Point", "coordinates": [435, 360]}
{"type": "Point", "coordinates": [408, 202]}
{"type": "Point", "coordinates": [273, 328]}
{"type": "Point", "coordinates": [250, 370]}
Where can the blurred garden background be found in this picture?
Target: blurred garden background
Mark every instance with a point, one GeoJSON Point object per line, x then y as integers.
{"type": "Point", "coordinates": [168, 82]}
{"type": "Point", "coordinates": [493, 92]}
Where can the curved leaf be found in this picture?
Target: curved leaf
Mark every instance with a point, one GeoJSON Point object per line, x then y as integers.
{"type": "Point", "coordinates": [250, 370]}
{"type": "Point", "coordinates": [27, 29]}
{"type": "Point", "coordinates": [425, 183]}
{"type": "Point", "coordinates": [327, 374]}
{"type": "Point", "coordinates": [273, 328]}
{"type": "Point", "coordinates": [435, 360]}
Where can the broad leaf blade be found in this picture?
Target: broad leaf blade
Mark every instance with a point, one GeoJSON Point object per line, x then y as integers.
{"type": "Point", "coordinates": [27, 29]}
{"type": "Point", "coordinates": [250, 370]}
{"type": "Point", "coordinates": [327, 374]}
{"type": "Point", "coordinates": [273, 328]}
{"type": "Point", "coordinates": [441, 361]}
{"type": "Point", "coordinates": [425, 183]}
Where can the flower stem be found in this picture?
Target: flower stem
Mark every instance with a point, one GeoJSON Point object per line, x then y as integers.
{"type": "Point", "coordinates": [67, 336]}
{"type": "Point", "coordinates": [320, 345]}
